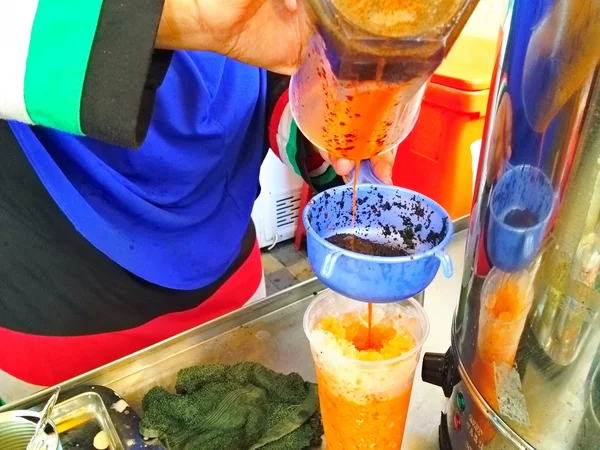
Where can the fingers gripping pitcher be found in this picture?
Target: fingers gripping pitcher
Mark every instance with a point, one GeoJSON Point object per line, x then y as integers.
{"type": "Point", "coordinates": [359, 90]}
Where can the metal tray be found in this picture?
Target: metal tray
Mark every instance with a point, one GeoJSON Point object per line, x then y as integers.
{"type": "Point", "coordinates": [83, 412]}
{"type": "Point", "coordinates": [270, 332]}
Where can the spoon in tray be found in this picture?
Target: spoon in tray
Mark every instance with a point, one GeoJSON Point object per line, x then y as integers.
{"type": "Point", "coordinates": [38, 440]}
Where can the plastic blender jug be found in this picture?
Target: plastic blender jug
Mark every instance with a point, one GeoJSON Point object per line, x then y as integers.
{"type": "Point", "coordinates": [359, 90]}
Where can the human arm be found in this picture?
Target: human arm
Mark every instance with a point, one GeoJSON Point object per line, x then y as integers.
{"type": "Point", "coordinates": [271, 34]}
{"type": "Point", "coordinates": [288, 142]}
{"type": "Point", "coordinates": [87, 68]}
{"type": "Point", "coordinates": [91, 68]}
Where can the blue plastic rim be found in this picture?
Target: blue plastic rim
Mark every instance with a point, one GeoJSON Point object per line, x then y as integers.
{"type": "Point", "coordinates": [512, 248]}
{"type": "Point", "coordinates": [385, 214]}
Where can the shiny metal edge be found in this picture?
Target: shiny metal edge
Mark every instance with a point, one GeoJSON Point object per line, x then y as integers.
{"type": "Point", "coordinates": [33, 418]}
{"type": "Point", "coordinates": [120, 424]}
{"type": "Point", "coordinates": [491, 415]}
{"type": "Point", "coordinates": [461, 224]}
{"type": "Point", "coordinates": [112, 372]}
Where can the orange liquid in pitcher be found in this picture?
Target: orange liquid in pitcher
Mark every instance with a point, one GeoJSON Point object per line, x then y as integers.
{"type": "Point", "coordinates": [359, 125]}
{"type": "Point", "coordinates": [352, 420]}
{"type": "Point", "coordinates": [361, 135]}
{"type": "Point", "coordinates": [348, 119]}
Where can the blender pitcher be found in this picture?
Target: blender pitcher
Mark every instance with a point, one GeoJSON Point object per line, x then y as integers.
{"type": "Point", "coordinates": [359, 90]}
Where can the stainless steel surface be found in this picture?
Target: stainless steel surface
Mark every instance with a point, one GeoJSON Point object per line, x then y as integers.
{"type": "Point", "coordinates": [39, 438]}
{"type": "Point", "coordinates": [81, 418]}
{"type": "Point", "coordinates": [420, 298]}
{"type": "Point", "coordinates": [590, 426]}
{"type": "Point", "coordinates": [83, 412]}
{"type": "Point", "coordinates": [270, 332]}
{"type": "Point", "coordinates": [17, 427]}
{"type": "Point", "coordinates": [529, 380]}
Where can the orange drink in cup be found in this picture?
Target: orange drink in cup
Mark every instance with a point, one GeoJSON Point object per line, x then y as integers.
{"type": "Point", "coordinates": [505, 303]}
{"type": "Point", "coordinates": [364, 379]}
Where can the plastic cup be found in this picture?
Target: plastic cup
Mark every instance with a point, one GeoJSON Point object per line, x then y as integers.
{"type": "Point", "coordinates": [364, 404]}
{"type": "Point", "coordinates": [506, 301]}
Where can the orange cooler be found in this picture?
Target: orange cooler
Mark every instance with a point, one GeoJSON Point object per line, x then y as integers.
{"type": "Point", "coordinates": [435, 158]}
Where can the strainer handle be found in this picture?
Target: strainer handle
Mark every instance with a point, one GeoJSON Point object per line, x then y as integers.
{"type": "Point", "coordinates": [365, 174]}
{"type": "Point", "coordinates": [329, 264]}
{"type": "Point", "coordinates": [446, 263]}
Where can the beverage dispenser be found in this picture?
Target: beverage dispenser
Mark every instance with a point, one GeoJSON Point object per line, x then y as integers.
{"type": "Point", "coordinates": [523, 368]}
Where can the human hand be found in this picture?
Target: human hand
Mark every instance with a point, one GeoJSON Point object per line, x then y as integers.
{"type": "Point", "coordinates": [267, 33]}
{"type": "Point", "coordinates": [382, 165]}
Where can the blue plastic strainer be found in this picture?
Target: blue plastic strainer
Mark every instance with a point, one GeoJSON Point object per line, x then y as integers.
{"type": "Point", "coordinates": [385, 214]}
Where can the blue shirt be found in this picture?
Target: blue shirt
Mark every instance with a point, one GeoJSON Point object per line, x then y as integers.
{"type": "Point", "coordinates": [173, 212]}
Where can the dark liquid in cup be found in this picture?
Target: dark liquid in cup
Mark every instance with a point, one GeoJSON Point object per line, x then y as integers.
{"type": "Point", "coordinates": [364, 246]}
{"type": "Point", "coordinates": [521, 218]}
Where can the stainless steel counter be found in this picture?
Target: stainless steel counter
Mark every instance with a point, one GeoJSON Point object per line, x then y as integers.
{"type": "Point", "coordinates": [271, 332]}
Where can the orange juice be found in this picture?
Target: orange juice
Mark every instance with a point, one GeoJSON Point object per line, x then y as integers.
{"type": "Point", "coordinates": [365, 378]}
{"type": "Point", "coordinates": [369, 323]}
{"type": "Point", "coordinates": [378, 424]}
{"type": "Point", "coordinates": [506, 301]}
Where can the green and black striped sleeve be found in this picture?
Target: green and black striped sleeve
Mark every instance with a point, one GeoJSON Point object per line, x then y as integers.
{"type": "Point", "coordinates": [85, 67]}
{"type": "Point", "coordinates": [289, 144]}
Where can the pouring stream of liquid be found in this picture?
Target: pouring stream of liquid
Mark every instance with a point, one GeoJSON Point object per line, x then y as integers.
{"type": "Point", "coordinates": [354, 199]}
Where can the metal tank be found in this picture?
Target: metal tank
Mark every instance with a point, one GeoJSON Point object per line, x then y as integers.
{"type": "Point", "coordinates": [523, 370]}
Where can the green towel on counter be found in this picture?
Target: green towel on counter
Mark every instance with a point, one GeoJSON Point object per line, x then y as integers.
{"type": "Point", "coordinates": [241, 407]}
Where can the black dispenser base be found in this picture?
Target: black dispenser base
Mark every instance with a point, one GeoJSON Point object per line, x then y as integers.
{"type": "Point", "coordinates": [444, 434]}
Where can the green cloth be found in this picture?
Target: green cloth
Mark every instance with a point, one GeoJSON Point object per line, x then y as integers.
{"type": "Point", "coordinates": [241, 407]}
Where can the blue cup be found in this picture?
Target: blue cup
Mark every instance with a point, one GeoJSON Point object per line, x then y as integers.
{"type": "Point", "coordinates": [384, 214]}
{"type": "Point", "coordinates": [520, 207]}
